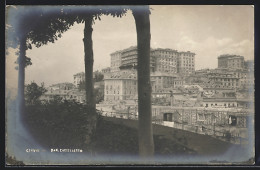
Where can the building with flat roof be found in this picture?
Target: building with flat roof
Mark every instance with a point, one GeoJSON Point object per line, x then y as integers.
{"type": "Point", "coordinates": [120, 85]}
{"type": "Point", "coordinates": [165, 60]}
{"type": "Point", "coordinates": [78, 78]}
{"type": "Point", "coordinates": [231, 61]}
{"type": "Point", "coordinates": [161, 60]}
{"type": "Point", "coordinates": [116, 61]}
{"type": "Point", "coordinates": [129, 58]}
{"type": "Point", "coordinates": [186, 62]}
{"type": "Point", "coordinates": [162, 80]}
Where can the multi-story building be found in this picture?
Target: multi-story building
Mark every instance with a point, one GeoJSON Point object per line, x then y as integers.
{"type": "Point", "coordinates": [186, 62]}
{"type": "Point", "coordinates": [162, 80]}
{"type": "Point", "coordinates": [60, 90]}
{"type": "Point", "coordinates": [165, 60]}
{"type": "Point", "coordinates": [224, 79]}
{"type": "Point", "coordinates": [129, 59]}
{"type": "Point", "coordinates": [78, 78]}
{"type": "Point", "coordinates": [116, 61]}
{"type": "Point", "coordinates": [120, 86]}
{"type": "Point", "coordinates": [161, 60]}
{"type": "Point", "coordinates": [231, 61]}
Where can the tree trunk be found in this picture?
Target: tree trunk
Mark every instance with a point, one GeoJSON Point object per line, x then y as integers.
{"type": "Point", "coordinates": [146, 145]}
{"type": "Point", "coordinates": [89, 60]}
{"type": "Point", "coordinates": [21, 79]}
{"type": "Point", "coordinates": [90, 97]}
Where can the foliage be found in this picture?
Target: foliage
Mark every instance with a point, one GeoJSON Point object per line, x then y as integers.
{"type": "Point", "coordinates": [41, 25]}
{"type": "Point", "coordinates": [28, 62]}
{"type": "Point", "coordinates": [111, 138]}
{"type": "Point", "coordinates": [99, 95]}
{"type": "Point", "coordinates": [63, 124]}
{"type": "Point", "coordinates": [57, 123]}
{"type": "Point", "coordinates": [33, 92]}
{"type": "Point", "coordinates": [98, 76]}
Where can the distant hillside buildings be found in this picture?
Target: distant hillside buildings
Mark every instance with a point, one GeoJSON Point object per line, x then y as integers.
{"type": "Point", "coordinates": [162, 60]}
{"type": "Point", "coordinates": [174, 80]}
{"type": "Point", "coordinates": [181, 97]}
{"type": "Point", "coordinates": [172, 70]}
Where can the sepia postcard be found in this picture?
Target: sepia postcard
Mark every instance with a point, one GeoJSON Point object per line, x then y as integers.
{"type": "Point", "coordinates": [129, 85]}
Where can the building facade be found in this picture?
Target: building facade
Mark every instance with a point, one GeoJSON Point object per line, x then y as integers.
{"type": "Point", "coordinates": [224, 79]}
{"type": "Point", "coordinates": [116, 61]}
{"type": "Point", "coordinates": [120, 86]}
{"type": "Point", "coordinates": [129, 59]}
{"type": "Point", "coordinates": [58, 90]}
{"type": "Point", "coordinates": [161, 60]}
{"type": "Point", "coordinates": [165, 60]}
{"type": "Point", "coordinates": [162, 80]}
{"type": "Point", "coordinates": [231, 61]}
{"type": "Point", "coordinates": [186, 62]}
{"type": "Point", "coordinates": [78, 78]}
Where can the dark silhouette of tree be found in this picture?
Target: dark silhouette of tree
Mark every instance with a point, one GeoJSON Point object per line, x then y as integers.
{"type": "Point", "coordinates": [98, 76]}
{"type": "Point", "coordinates": [39, 26]}
{"type": "Point", "coordinates": [89, 60]}
{"type": "Point", "coordinates": [33, 92]}
{"type": "Point", "coordinates": [142, 21]}
{"type": "Point", "coordinates": [32, 25]}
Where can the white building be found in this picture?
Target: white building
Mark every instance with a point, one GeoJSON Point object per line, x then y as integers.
{"type": "Point", "coordinates": [77, 78]}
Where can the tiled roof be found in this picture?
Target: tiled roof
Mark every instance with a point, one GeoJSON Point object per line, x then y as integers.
{"type": "Point", "coordinates": [121, 75]}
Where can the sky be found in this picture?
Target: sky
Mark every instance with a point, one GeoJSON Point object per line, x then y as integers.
{"type": "Point", "coordinates": [208, 31]}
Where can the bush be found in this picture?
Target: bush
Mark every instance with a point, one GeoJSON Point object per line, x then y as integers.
{"type": "Point", "coordinates": [58, 124]}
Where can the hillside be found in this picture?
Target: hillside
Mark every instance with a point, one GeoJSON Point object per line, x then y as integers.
{"type": "Point", "coordinates": [201, 144]}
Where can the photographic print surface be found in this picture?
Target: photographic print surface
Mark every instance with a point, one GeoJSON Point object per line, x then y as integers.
{"type": "Point", "coordinates": [120, 85]}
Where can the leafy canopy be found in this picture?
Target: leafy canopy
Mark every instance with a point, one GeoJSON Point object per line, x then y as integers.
{"type": "Point", "coordinates": [33, 92]}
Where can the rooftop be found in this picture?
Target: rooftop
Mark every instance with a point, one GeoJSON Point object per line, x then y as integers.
{"type": "Point", "coordinates": [230, 56]}
{"type": "Point", "coordinates": [121, 75]}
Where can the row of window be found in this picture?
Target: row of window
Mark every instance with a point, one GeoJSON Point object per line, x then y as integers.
{"type": "Point", "coordinates": [125, 92]}
{"type": "Point", "coordinates": [225, 104]}
{"type": "Point", "coordinates": [188, 65]}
